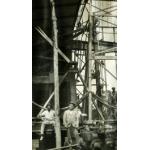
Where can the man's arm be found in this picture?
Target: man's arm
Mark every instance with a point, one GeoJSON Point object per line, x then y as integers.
{"type": "Point", "coordinates": [42, 114]}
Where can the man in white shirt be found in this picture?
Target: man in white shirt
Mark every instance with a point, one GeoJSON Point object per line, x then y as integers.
{"type": "Point", "coordinates": [48, 117]}
{"type": "Point", "coordinates": [71, 119]}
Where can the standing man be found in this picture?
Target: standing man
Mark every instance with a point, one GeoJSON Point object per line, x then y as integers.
{"type": "Point", "coordinates": [71, 119]}
{"type": "Point", "coordinates": [48, 117]}
{"type": "Point", "coordinates": [114, 101]}
{"type": "Point", "coordinates": [114, 96]}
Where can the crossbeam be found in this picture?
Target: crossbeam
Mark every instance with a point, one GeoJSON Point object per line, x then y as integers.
{"type": "Point", "coordinates": [82, 80]}
{"type": "Point", "coordinates": [98, 110]}
{"type": "Point", "coordinates": [52, 94]}
{"type": "Point", "coordinates": [109, 72]}
{"type": "Point", "coordinates": [104, 57]}
{"type": "Point", "coordinates": [109, 50]}
{"type": "Point", "coordinates": [102, 101]}
{"type": "Point", "coordinates": [51, 43]}
{"type": "Point", "coordinates": [105, 21]}
{"type": "Point", "coordinates": [64, 147]}
{"type": "Point", "coordinates": [82, 99]}
{"type": "Point", "coordinates": [83, 45]}
{"type": "Point", "coordinates": [36, 104]}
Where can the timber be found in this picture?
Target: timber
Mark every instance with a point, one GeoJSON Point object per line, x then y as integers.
{"type": "Point", "coordinates": [64, 147]}
{"type": "Point", "coordinates": [104, 57]}
{"type": "Point", "coordinates": [90, 62]}
{"type": "Point", "coordinates": [56, 77]}
{"type": "Point", "coordinates": [52, 94]}
{"type": "Point", "coordinates": [51, 43]}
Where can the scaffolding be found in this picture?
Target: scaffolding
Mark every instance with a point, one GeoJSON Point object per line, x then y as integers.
{"type": "Point", "coordinates": [94, 50]}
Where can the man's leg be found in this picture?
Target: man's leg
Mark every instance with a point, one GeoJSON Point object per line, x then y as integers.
{"type": "Point", "coordinates": [76, 135]}
{"type": "Point", "coordinates": [42, 130]}
{"type": "Point", "coordinates": [69, 135]}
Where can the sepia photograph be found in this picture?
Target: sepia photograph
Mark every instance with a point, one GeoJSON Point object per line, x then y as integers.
{"type": "Point", "coordinates": [74, 74]}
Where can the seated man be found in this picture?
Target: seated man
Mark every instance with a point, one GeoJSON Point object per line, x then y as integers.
{"type": "Point", "coordinates": [48, 117]}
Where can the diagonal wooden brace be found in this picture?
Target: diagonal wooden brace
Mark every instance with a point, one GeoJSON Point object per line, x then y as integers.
{"type": "Point", "coordinates": [52, 94]}
{"type": "Point", "coordinates": [51, 43]}
{"type": "Point", "coordinates": [98, 110]}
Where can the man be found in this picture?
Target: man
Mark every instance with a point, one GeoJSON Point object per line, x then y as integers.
{"type": "Point", "coordinates": [71, 119]}
{"type": "Point", "coordinates": [114, 96]}
{"type": "Point", "coordinates": [48, 117]}
{"type": "Point", "coordinates": [114, 101]}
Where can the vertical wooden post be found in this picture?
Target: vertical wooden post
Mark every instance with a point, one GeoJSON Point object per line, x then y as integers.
{"type": "Point", "coordinates": [90, 61]}
{"type": "Point", "coordinates": [97, 71]}
{"type": "Point", "coordinates": [114, 34]}
{"type": "Point", "coordinates": [56, 77]}
{"type": "Point", "coordinates": [85, 103]}
{"type": "Point", "coordinates": [116, 64]}
{"type": "Point", "coordinates": [102, 33]}
{"type": "Point", "coordinates": [105, 76]}
{"type": "Point", "coordinates": [72, 83]}
{"type": "Point", "coordinates": [115, 53]}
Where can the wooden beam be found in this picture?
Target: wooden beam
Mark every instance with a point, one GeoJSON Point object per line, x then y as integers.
{"type": "Point", "coordinates": [80, 11]}
{"type": "Point", "coordinates": [109, 72]}
{"type": "Point", "coordinates": [108, 50]}
{"type": "Point", "coordinates": [105, 75]}
{"type": "Point", "coordinates": [52, 94]}
{"type": "Point", "coordinates": [104, 57]}
{"type": "Point", "coordinates": [83, 45]}
{"type": "Point", "coordinates": [98, 110]}
{"type": "Point", "coordinates": [82, 81]}
{"type": "Point", "coordinates": [82, 99]}
{"type": "Point", "coordinates": [106, 21]}
{"type": "Point", "coordinates": [106, 0]}
{"type": "Point", "coordinates": [90, 42]}
{"type": "Point", "coordinates": [56, 77]}
{"type": "Point", "coordinates": [36, 104]}
{"type": "Point", "coordinates": [51, 43]}
{"type": "Point", "coordinates": [102, 101]}
{"type": "Point", "coordinates": [64, 147]}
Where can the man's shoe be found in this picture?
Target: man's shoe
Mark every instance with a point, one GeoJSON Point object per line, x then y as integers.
{"type": "Point", "coordinates": [41, 138]}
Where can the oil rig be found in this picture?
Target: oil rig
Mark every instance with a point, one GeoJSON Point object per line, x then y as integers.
{"type": "Point", "coordinates": [74, 58]}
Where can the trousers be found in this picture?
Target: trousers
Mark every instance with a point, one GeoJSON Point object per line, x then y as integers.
{"type": "Point", "coordinates": [43, 125]}
{"type": "Point", "coordinates": [73, 135]}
